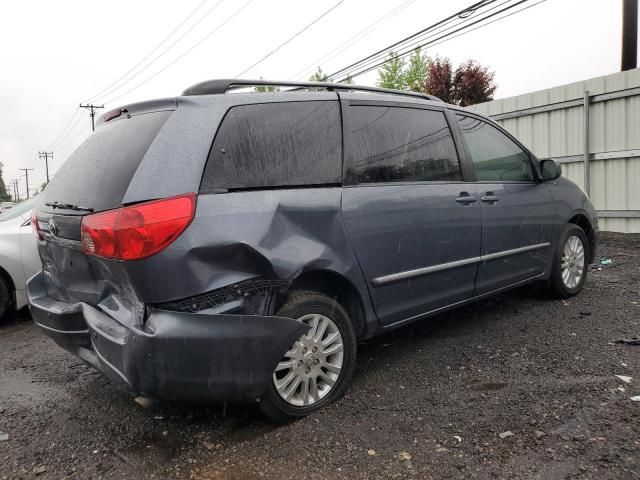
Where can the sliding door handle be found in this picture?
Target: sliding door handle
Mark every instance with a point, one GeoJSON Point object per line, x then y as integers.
{"type": "Point", "coordinates": [466, 199]}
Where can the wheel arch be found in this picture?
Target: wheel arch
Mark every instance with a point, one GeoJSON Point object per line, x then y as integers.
{"type": "Point", "coordinates": [338, 287]}
{"type": "Point", "coordinates": [583, 221]}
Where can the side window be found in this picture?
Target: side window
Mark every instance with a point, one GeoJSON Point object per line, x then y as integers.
{"type": "Point", "coordinates": [276, 144]}
{"type": "Point", "coordinates": [495, 156]}
{"type": "Point", "coordinates": [396, 144]}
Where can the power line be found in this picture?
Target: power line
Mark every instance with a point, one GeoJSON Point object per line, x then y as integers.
{"type": "Point", "coordinates": [187, 18]}
{"type": "Point", "coordinates": [64, 131]}
{"type": "Point", "coordinates": [350, 41]}
{"type": "Point", "coordinates": [162, 53]}
{"type": "Point", "coordinates": [70, 140]}
{"type": "Point", "coordinates": [474, 6]}
{"type": "Point", "coordinates": [450, 35]}
{"type": "Point", "coordinates": [428, 34]}
{"type": "Point", "coordinates": [206, 37]}
{"type": "Point", "coordinates": [290, 39]}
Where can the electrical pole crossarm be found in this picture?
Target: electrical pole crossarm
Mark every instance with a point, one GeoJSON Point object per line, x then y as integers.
{"type": "Point", "coordinates": [92, 113]}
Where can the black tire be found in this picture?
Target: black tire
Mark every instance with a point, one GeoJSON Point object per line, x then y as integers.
{"type": "Point", "coordinates": [5, 297]}
{"type": "Point", "coordinates": [557, 285]}
{"type": "Point", "coordinates": [299, 304]}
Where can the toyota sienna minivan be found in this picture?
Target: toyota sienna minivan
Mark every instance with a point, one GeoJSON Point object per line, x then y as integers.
{"type": "Point", "coordinates": [227, 245]}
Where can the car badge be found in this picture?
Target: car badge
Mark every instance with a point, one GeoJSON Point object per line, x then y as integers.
{"type": "Point", "coordinates": [53, 228]}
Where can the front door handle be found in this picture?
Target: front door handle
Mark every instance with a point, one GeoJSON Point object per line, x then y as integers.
{"type": "Point", "coordinates": [466, 199]}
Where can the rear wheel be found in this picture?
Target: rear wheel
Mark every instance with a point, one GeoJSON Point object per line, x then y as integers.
{"type": "Point", "coordinates": [318, 367]}
{"type": "Point", "coordinates": [570, 263]}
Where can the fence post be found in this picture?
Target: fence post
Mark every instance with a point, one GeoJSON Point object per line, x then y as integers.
{"type": "Point", "coordinates": [587, 170]}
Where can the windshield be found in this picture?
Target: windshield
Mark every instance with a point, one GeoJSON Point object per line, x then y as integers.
{"type": "Point", "coordinates": [18, 209]}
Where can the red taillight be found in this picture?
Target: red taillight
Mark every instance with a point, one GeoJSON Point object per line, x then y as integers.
{"type": "Point", "coordinates": [34, 224]}
{"type": "Point", "coordinates": [138, 231]}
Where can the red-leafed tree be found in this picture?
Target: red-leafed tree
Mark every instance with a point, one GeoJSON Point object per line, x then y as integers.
{"type": "Point", "coordinates": [472, 83]}
{"type": "Point", "coordinates": [439, 81]}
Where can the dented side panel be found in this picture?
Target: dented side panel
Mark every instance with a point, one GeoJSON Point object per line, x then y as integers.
{"type": "Point", "coordinates": [269, 234]}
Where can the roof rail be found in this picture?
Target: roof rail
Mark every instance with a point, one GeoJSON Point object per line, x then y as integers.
{"type": "Point", "coordinates": [210, 87]}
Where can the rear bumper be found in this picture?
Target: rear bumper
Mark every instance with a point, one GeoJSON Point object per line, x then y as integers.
{"type": "Point", "coordinates": [174, 354]}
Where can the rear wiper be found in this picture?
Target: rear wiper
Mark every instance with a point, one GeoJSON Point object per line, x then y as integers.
{"type": "Point", "coordinates": [68, 206]}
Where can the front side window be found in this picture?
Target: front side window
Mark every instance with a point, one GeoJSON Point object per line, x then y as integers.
{"type": "Point", "coordinates": [397, 144]}
{"type": "Point", "coordinates": [495, 156]}
{"type": "Point", "coordinates": [276, 144]}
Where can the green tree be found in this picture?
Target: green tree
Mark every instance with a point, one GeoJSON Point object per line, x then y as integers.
{"type": "Point", "coordinates": [265, 88]}
{"type": "Point", "coordinates": [4, 196]}
{"type": "Point", "coordinates": [416, 74]}
{"type": "Point", "coordinates": [318, 76]}
{"type": "Point", "coordinates": [348, 80]}
{"type": "Point", "coordinates": [391, 74]}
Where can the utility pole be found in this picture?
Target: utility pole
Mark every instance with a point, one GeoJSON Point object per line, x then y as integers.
{"type": "Point", "coordinates": [16, 193]}
{"type": "Point", "coordinates": [26, 175]}
{"type": "Point", "coordinates": [629, 35]}
{"type": "Point", "coordinates": [92, 109]}
{"type": "Point", "coordinates": [46, 156]}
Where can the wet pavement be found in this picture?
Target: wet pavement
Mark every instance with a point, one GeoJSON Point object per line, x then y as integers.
{"type": "Point", "coordinates": [518, 386]}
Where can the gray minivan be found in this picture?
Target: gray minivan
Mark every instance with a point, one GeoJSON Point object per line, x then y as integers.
{"type": "Point", "coordinates": [227, 245]}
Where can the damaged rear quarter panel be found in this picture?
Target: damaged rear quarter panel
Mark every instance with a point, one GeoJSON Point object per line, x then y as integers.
{"type": "Point", "coordinates": [274, 234]}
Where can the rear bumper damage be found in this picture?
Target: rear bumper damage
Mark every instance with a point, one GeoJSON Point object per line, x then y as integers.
{"type": "Point", "coordinates": [177, 355]}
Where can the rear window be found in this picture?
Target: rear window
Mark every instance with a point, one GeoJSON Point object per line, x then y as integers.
{"type": "Point", "coordinates": [98, 173]}
{"type": "Point", "coordinates": [276, 145]}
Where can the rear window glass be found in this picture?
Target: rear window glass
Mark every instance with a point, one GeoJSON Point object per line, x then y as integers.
{"type": "Point", "coordinates": [394, 144]}
{"type": "Point", "coordinates": [98, 173]}
{"type": "Point", "coordinates": [276, 144]}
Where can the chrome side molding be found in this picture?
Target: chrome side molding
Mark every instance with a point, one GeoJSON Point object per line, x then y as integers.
{"type": "Point", "coordinates": [396, 277]}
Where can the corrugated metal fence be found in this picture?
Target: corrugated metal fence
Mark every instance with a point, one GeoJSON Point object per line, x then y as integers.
{"type": "Point", "coordinates": [606, 161]}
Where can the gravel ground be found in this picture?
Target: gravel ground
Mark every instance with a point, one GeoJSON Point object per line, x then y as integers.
{"type": "Point", "coordinates": [519, 386]}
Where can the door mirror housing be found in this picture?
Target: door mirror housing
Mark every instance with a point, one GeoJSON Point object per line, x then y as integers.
{"type": "Point", "coordinates": [551, 169]}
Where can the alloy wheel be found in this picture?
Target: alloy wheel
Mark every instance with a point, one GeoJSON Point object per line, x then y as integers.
{"type": "Point", "coordinates": [573, 262]}
{"type": "Point", "coordinates": [310, 369]}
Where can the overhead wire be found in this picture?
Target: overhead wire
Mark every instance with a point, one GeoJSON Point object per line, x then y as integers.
{"type": "Point", "coordinates": [451, 35]}
{"type": "Point", "coordinates": [444, 27]}
{"type": "Point", "coordinates": [108, 92]}
{"type": "Point", "coordinates": [290, 39]}
{"type": "Point", "coordinates": [476, 6]}
{"type": "Point", "coordinates": [350, 41]}
{"type": "Point", "coordinates": [182, 55]}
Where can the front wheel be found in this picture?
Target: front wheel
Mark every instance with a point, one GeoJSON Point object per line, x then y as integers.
{"type": "Point", "coordinates": [570, 263]}
{"type": "Point", "coordinates": [318, 367]}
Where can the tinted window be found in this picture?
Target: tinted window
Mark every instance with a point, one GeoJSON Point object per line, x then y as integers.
{"type": "Point", "coordinates": [98, 173]}
{"type": "Point", "coordinates": [394, 144]}
{"type": "Point", "coordinates": [495, 156]}
{"type": "Point", "coordinates": [276, 144]}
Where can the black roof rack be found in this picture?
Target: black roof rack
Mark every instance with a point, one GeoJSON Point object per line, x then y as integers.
{"type": "Point", "coordinates": [210, 87]}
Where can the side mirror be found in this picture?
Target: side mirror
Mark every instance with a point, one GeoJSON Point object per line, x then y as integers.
{"type": "Point", "coordinates": [550, 169]}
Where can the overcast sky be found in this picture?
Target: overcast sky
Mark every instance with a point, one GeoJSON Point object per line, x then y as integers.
{"type": "Point", "coordinates": [55, 55]}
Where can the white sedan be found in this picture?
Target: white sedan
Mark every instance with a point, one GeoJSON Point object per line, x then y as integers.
{"type": "Point", "coordinates": [19, 258]}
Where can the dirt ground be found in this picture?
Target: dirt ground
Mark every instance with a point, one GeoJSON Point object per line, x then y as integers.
{"type": "Point", "coordinates": [437, 399]}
